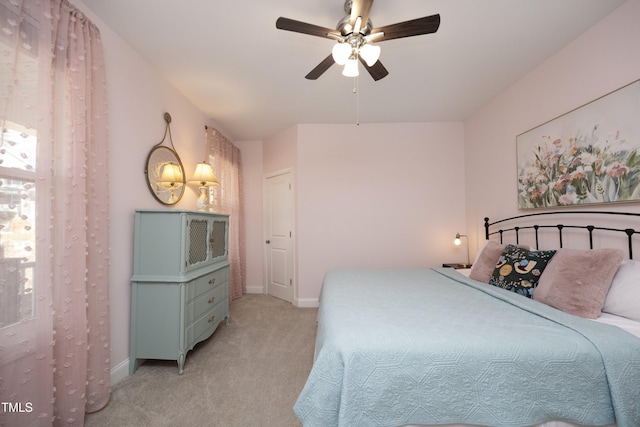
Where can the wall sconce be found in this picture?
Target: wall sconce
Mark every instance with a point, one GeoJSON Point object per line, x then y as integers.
{"type": "Point", "coordinates": [458, 242]}
{"type": "Point", "coordinates": [171, 178]}
{"type": "Point", "coordinates": [203, 177]}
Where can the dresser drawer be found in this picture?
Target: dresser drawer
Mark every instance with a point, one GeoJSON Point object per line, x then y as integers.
{"type": "Point", "coordinates": [206, 302]}
{"type": "Point", "coordinates": [207, 282]}
{"type": "Point", "coordinates": [205, 325]}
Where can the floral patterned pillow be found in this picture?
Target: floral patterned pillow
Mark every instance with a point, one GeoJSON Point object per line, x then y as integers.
{"type": "Point", "coordinates": [518, 270]}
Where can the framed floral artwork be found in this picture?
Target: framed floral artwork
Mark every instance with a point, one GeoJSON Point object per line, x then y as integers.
{"type": "Point", "coordinates": [588, 155]}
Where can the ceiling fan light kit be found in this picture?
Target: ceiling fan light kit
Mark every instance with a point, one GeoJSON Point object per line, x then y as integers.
{"type": "Point", "coordinates": [354, 41]}
{"type": "Point", "coordinates": [351, 67]}
{"type": "Point", "coordinates": [370, 53]}
{"type": "Point", "coordinates": [341, 53]}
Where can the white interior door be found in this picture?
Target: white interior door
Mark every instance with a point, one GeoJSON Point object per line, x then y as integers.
{"type": "Point", "coordinates": [279, 236]}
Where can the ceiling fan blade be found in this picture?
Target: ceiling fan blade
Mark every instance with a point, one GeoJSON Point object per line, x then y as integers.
{"type": "Point", "coordinates": [304, 28]}
{"type": "Point", "coordinates": [320, 68]}
{"type": "Point", "coordinates": [414, 27]}
{"type": "Point", "coordinates": [360, 8]}
{"type": "Point", "coordinates": [377, 70]}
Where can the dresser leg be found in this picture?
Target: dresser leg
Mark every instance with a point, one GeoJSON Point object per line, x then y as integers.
{"type": "Point", "coordinates": [181, 364]}
{"type": "Point", "coordinates": [133, 365]}
{"type": "Point", "coordinates": [227, 322]}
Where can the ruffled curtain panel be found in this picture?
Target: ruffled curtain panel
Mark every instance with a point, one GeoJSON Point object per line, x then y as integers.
{"type": "Point", "coordinates": [228, 198]}
{"type": "Point", "coordinates": [54, 223]}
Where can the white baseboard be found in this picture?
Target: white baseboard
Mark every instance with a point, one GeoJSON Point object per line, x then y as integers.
{"type": "Point", "coordinates": [307, 302]}
{"type": "Point", "coordinates": [298, 302]}
{"type": "Point", "coordinates": [119, 372]}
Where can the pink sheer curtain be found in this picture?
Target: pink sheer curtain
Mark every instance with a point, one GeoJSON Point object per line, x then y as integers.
{"type": "Point", "coordinates": [227, 198]}
{"type": "Point", "coordinates": [54, 223]}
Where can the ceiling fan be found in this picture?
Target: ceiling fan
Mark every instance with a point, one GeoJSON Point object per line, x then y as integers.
{"type": "Point", "coordinates": [355, 36]}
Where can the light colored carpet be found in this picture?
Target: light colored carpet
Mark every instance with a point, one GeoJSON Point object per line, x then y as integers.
{"type": "Point", "coordinates": [247, 375]}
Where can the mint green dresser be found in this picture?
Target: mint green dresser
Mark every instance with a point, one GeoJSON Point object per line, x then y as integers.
{"type": "Point", "coordinates": [180, 283]}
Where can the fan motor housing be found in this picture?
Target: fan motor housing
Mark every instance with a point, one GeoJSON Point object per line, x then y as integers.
{"type": "Point", "coordinates": [345, 27]}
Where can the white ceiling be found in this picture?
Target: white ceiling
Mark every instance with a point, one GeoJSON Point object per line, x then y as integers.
{"type": "Point", "coordinates": [228, 58]}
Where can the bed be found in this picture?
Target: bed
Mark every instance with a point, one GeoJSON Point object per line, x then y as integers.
{"type": "Point", "coordinates": [435, 347]}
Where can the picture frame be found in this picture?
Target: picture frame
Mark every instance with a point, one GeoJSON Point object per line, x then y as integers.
{"type": "Point", "coordinates": [586, 156]}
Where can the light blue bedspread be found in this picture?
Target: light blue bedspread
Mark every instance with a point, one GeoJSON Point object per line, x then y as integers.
{"type": "Point", "coordinates": [399, 347]}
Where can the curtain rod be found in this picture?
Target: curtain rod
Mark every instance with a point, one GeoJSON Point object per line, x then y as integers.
{"type": "Point", "coordinates": [215, 131]}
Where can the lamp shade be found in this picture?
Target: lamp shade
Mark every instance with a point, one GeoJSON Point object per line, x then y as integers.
{"type": "Point", "coordinates": [370, 53]}
{"type": "Point", "coordinates": [204, 175]}
{"type": "Point", "coordinates": [341, 52]}
{"type": "Point", "coordinates": [171, 175]}
{"type": "Point", "coordinates": [351, 67]}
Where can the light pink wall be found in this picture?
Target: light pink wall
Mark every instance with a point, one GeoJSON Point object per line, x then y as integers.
{"type": "Point", "coordinates": [601, 60]}
{"type": "Point", "coordinates": [138, 97]}
{"type": "Point", "coordinates": [252, 175]}
{"type": "Point", "coordinates": [281, 150]}
{"type": "Point", "coordinates": [377, 196]}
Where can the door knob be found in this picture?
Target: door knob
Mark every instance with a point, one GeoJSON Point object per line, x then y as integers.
{"type": "Point", "coordinates": [268, 242]}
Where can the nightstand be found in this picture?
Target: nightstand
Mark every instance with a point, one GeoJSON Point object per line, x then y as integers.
{"type": "Point", "coordinates": [456, 265]}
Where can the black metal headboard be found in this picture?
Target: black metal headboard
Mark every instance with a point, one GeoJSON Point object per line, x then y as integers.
{"type": "Point", "coordinates": [490, 226]}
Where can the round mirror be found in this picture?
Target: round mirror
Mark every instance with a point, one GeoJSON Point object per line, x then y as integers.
{"type": "Point", "coordinates": [165, 175]}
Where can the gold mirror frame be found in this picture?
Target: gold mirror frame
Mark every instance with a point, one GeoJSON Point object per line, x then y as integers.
{"type": "Point", "coordinates": [164, 170]}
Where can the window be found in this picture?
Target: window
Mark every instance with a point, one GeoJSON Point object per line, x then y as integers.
{"type": "Point", "coordinates": [17, 170]}
{"type": "Point", "coordinates": [17, 224]}
{"type": "Point", "coordinates": [54, 225]}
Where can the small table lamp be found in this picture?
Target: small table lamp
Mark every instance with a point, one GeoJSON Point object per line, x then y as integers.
{"type": "Point", "coordinates": [204, 177]}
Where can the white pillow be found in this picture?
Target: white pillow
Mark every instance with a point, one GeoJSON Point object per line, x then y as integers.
{"type": "Point", "coordinates": [623, 298]}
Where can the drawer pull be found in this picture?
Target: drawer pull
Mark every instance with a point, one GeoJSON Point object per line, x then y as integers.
{"type": "Point", "coordinates": [211, 319]}
{"type": "Point", "coordinates": [212, 299]}
{"type": "Point", "coordinates": [212, 280]}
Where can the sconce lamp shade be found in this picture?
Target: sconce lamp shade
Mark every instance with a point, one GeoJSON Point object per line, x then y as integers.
{"type": "Point", "coordinates": [171, 175]}
{"type": "Point", "coordinates": [204, 176]}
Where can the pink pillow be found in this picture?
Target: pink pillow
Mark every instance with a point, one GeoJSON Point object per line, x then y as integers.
{"type": "Point", "coordinates": [577, 281]}
{"type": "Point", "coordinates": [483, 267]}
